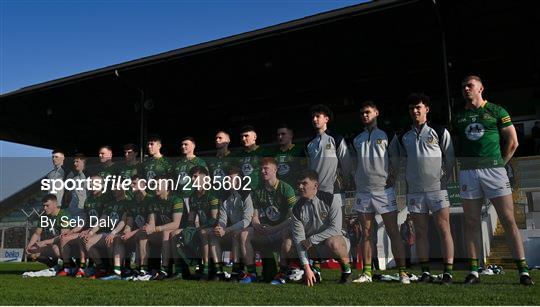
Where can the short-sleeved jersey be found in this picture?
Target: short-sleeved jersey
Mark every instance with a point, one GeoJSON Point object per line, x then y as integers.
{"type": "Point", "coordinates": [479, 136]}
{"type": "Point", "coordinates": [273, 204]}
{"type": "Point", "coordinates": [203, 205]}
{"type": "Point", "coordinates": [107, 170]}
{"type": "Point", "coordinates": [138, 209]}
{"type": "Point", "coordinates": [153, 167]}
{"type": "Point", "coordinates": [57, 223]}
{"type": "Point", "coordinates": [165, 208]}
{"type": "Point", "coordinates": [114, 210]}
{"type": "Point", "coordinates": [249, 163]}
{"type": "Point", "coordinates": [126, 171]}
{"type": "Point", "coordinates": [290, 162]}
{"type": "Point", "coordinates": [93, 206]}
{"type": "Point", "coordinates": [219, 165]}
{"type": "Point", "coordinates": [181, 173]}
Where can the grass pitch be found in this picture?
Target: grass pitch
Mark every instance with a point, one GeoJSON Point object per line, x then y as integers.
{"type": "Point", "coordinates": [494, 290]}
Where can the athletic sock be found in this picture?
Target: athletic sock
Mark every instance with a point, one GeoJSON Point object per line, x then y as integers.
{"type": "Point", "coordinates": [473, 266]}
{"type": "Point", "coordinates": [345, 267]}
{"type": "Point", "coordinates": [522, 267]}
{"type": "Point", "coordinates": [117, 270]}
{"type": "Point", "coordinates": [82, 263]}
{"type": "Point", "coordinates": [367, 269]}
{"type": "Point", "coordinates": [425, 266]}
{"type": "Point", "coordinates": [205, 269]}
{"type": "Point", "coordinates": [448, 267]}
{"type": "Point", "coordinates": [317, 265]}
{"type": "Point", "coordinates": [402, 270]}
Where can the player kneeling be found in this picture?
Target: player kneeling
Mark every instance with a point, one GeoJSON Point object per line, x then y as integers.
{"type": "Point", "coordinates": [317, 228]}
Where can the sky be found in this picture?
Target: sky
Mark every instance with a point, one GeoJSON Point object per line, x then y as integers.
{"type": "Point", "coordinates": [45, 40]}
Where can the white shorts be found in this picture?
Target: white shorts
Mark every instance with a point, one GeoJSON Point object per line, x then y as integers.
{"type": "Point", "coordinates": [484, 182]}
{"type": "Point", "coordinates": [380, 202]}
{"type": "Point", "coordinates": [424, 202]}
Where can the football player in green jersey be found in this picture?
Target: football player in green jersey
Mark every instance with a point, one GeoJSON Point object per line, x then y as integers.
{"type": "Point", "coordinates": [106, 166]}
{"type": "Point", "coordinates": [184, 165]}
{"type": "Point", "coordinates": [219, 164]}
{"type": "Point", "coordinates": [104, 231]}
{"type": "Point", "coordinates": [44, 243]}
{"type": "Point", "coordinates": [129, 167]}
{"type": "Point", "coordinates": [136, 219]}
{"type": "Point", "coordinates": [250, 155]}
{"type": "Point", "coordinates": [272, 204]}
{"type": "Point", "coordinates": [165, 214]}
{"type": "Point", "coordinates": [204, 205]}
{"type": "Point", "coordinates": [480, 127]}
{"type": "Point", "coordinates": [156, 164]}
{"type": "Point", "coordinates": [289, 156]}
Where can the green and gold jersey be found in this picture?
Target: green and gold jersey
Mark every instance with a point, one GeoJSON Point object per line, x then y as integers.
{"type": "Point", "coordinates": [203, 205]}
{"type": "Point", "coordinates": [93, 206]}
{"type": "Point", "coordinates": [165, 208]}
{"type": "Point", "coordinates": [126, 171]}
{"type": "Point", "coordinates": [273, 204]}
{"type": "Point", "coordinates": [114, 210]}
{"type": "Point", "coordinates": [153, 167]}
{"type": "Point", "coordinates": [138, 209]}
{"type": "Point", "coordinates": [107, 170]}
{"type": "Point", "coordinates": [219, 165]}
{"type": "Point", "coordinates": [479, 137]}
{"type": "Point", "coordinates": [181, 173]}
{"type": "Point", "coordinates": [249, 163]}
{"type": "Point", "coordinates": [55, 224]}
{"type": "Point", "coordinates": [290, 162]}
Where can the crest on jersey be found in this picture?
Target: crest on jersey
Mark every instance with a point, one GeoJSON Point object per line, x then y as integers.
{"type": "Point", "coordinates": [283, 169]}
{"type": "Point", "coordinates": [324, 215]}
{"type": "Point", "coordinates": [328, 146]}
{"type": "Point", "coordinates": [379, 141]}
{"type": "Point", "coordinates": [431, 140]}
{"type": "Point", "coordinates": [474, 131]}
{"type": "Point", "coordinates": [272, 213]}
{"type": "Point", "coordinates": [247, 169]}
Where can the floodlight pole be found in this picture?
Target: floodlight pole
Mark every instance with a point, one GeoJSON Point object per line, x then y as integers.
{"type": "Point", "coordinates": [445, 62]}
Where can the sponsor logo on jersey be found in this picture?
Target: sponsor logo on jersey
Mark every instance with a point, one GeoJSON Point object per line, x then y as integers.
{"type": "Point", "coordinates": [247, 169]}
{"type": "Point", "coordinates": [272, 213]}
{"type": "Point", "coordinates": [283, 169]}
{"type": "Point", "coordinates": [474, 131]}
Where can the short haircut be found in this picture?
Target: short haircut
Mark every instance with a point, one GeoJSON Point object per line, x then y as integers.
{"type": "Point", "coordinates": [247, 128]}
{"type": "Point", "coordinates": [285, 126]}
{"type": "Point", "coordinates": [109, 148]}
{"type": "Point", "coordinates": [234, 170]}
{"type": "Point", "coordinates": [368, 104]}
{"type": "Point", "coordinates": [58, 150]}
{"type": "Point", "coordinates": [471, 77]}
{"type": "Point", "coordinates": [224, 132]}
{"type": "Point", "coordinates": [310, 174]}
{"type": "Point", "coordinates": [48, 197]}
{"type": "Point", "coordinates": [198, 169]}
{"type": "Point", "coordinates": [136, 177]}
{"type": "Point", "coordinates": [130, 146]}
{"type": "Point", "coordinates": [79, 156]}
{"type": "Point", "coordinates": [321, 108]}
{"type": "Point", "coordinates": [154, 138]}
{"type": "Point", "coordinates": [416, 98]}
{"type": "Point", "coordinates": [188, 138]}
{"type": "Point", "coordinates": [268, 160]}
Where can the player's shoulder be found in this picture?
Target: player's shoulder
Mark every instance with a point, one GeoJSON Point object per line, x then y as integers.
{"type": "Point", "coordinates": [326, 198]}
{"type": "Point", "coordinates": [338, 138]}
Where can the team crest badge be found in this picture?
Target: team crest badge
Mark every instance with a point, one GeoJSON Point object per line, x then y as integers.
{"type": "Point", "coordinates": [328, 146]}
{"type": "Point", "coordinates": [324, 215]}
{"type": "Point", "coordinates": [430, 140]}
{"type": "Point", "coordinates": [379, 141]}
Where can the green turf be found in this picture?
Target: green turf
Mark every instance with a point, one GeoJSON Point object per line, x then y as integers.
{"type": "Point", "coordinates": [494, 290]}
